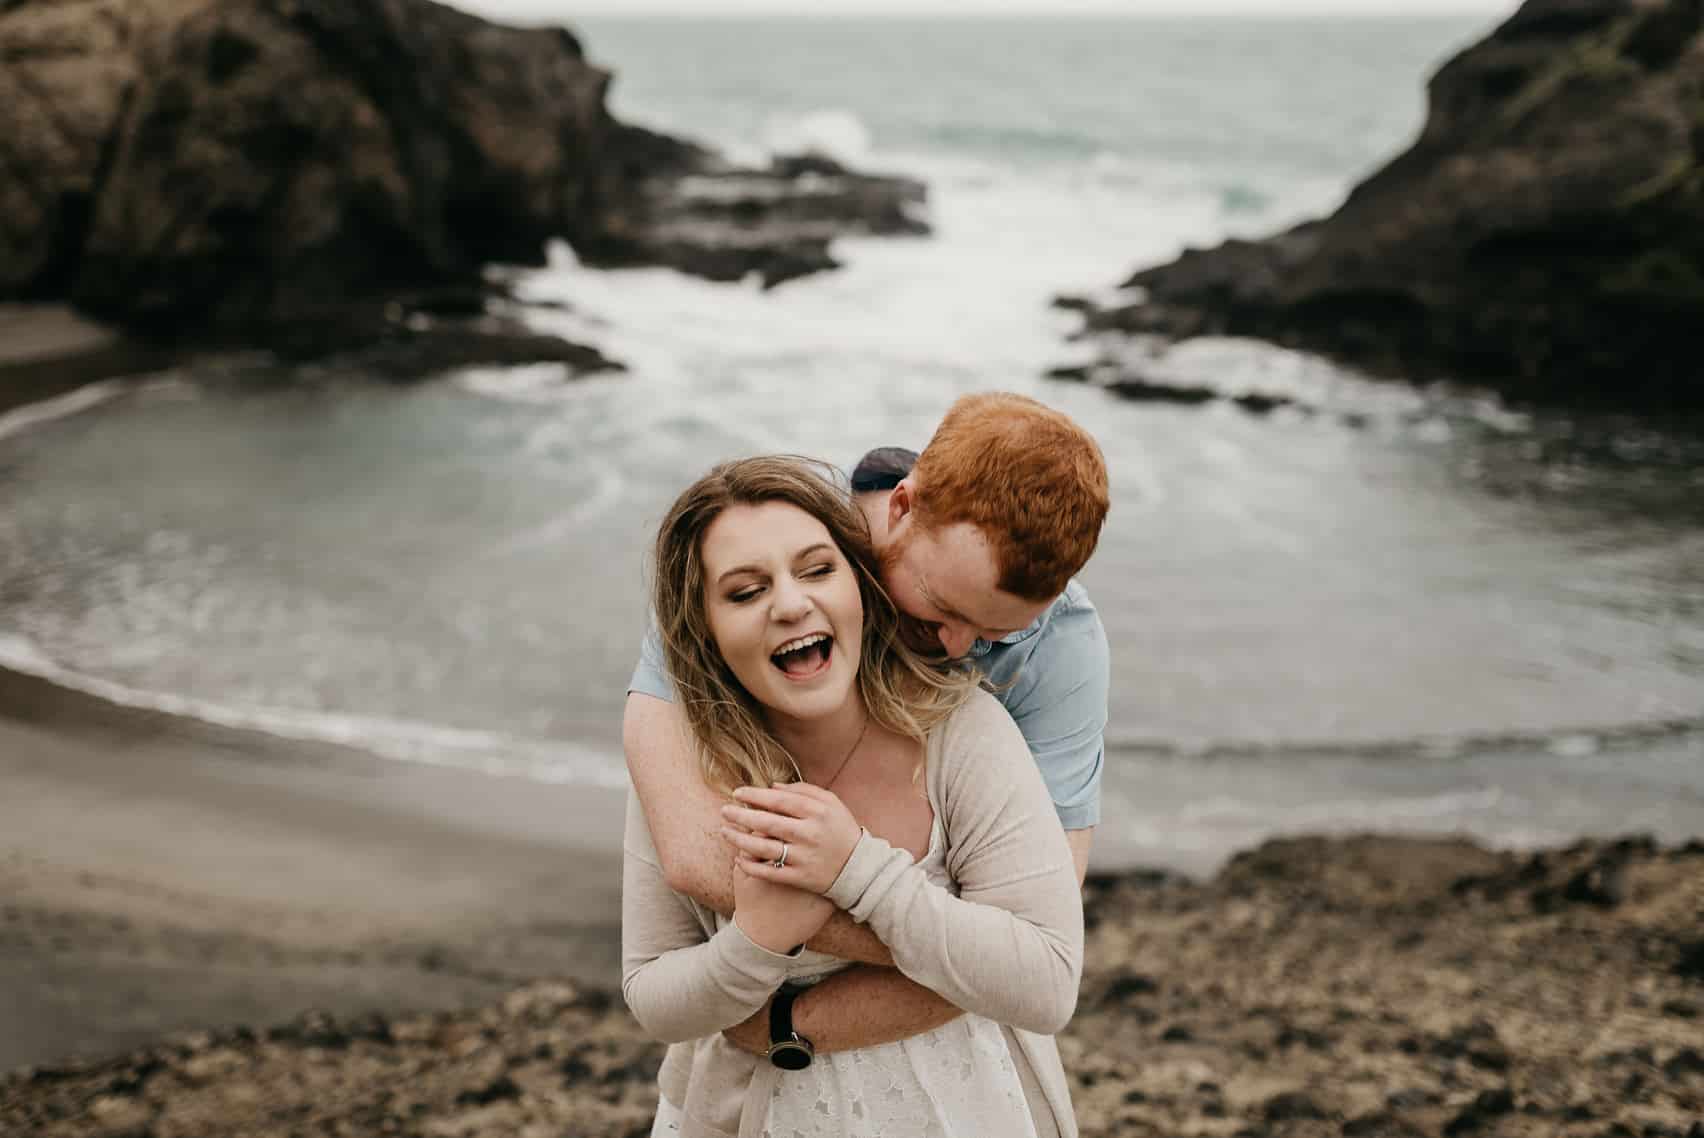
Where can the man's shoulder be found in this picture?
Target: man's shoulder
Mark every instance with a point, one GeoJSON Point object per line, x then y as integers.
{"type": "Point", "coordinates": [1074, 600]}
{"type": "Point", "coordinates": [1064, 652]}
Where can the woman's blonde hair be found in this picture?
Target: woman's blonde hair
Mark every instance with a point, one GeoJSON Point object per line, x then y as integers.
{"type": "Point", "coordinates": [902, 691]}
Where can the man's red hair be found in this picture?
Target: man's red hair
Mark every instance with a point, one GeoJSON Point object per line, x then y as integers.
{"type": "Point", "coordinates": [1032, 480]}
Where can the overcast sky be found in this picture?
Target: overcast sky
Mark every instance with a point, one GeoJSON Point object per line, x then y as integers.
{"type": "Point", "coordinates": [558, 11]}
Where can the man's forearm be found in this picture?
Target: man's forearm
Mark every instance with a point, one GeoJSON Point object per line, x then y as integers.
{"type": "Point", "coordinates": [861, 1007]}
{"type": "Point", "coordinates": [1080, 842]}
{"type": "Point", "coordinates": [849, 940]}
{"type": "Point", "coordinates": [683, 814]}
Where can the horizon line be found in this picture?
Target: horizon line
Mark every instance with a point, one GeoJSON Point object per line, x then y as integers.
{"type": "Point", "coordinates": [959, 14]}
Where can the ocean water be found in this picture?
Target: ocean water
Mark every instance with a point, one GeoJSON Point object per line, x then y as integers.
{"type": "Point", "coordinates": [1415, 610]}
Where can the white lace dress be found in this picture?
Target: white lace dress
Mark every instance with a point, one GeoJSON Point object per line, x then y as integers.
{"type": "Point", "coordinates": [957, 1081]}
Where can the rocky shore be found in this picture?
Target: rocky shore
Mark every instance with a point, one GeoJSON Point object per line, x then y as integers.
{"type": "Point", "coordinates": [257, 172]}
{"type": "Point", "coordinates": [1544, 235]}
{"type": "Point", "coordinates": [1372, 986]}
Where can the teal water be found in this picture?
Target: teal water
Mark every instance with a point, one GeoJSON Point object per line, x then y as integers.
{"type": "Point", "coordinates": [1237, 105]}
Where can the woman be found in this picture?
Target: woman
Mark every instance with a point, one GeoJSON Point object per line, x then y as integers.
{"type": "Point", "coordinates": [863, 778]}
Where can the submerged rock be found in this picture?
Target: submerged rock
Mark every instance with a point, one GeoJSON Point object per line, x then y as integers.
{"type": "Point", "coordinates": [1544, 235]}
{"type": "Point", "coordinates": [725, 222]}
{"type": "Point", "coordinates": [405, 342]}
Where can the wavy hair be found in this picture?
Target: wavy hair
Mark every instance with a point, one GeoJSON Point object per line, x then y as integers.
{"type": "Point", "coordinates": [902, 691]}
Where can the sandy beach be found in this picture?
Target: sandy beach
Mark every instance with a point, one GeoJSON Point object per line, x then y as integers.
{"type": "Point", "coordinates": [157, 875]}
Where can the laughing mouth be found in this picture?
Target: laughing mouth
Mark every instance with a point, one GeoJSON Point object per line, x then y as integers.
{"type": "Point", "coordinates": [804, 656]}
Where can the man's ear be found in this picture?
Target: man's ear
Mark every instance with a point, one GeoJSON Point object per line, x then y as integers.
{"type": "Point", "coordinates": [901, 502]}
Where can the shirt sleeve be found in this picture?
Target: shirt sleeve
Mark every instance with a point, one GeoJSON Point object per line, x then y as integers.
{"type": "Point", "coordinates": [1059, 702]}
{"type": "Point", "coordinates": [650, 674]}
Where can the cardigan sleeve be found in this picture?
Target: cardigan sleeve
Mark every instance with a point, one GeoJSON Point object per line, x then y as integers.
{"type": "Point", "coordinates": [1010, 945]}
{"type": "Point", "coordinates": [680, 981]}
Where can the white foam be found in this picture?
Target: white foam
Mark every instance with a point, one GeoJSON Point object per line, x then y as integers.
{"type": "Point", "coordinates": [1577, 746]}
{"type": "Point", "coordinates": [488, 752]}
{"type": "Point", "coordinates": [31, 415]}
{"type": "Point", "coordinates": [540, 383]}
{"type": "Point", "coordinates": [832, 133]}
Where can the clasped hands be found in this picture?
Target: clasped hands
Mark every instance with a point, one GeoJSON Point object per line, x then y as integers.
{"type": "Point", "coordinates": [781, 906]}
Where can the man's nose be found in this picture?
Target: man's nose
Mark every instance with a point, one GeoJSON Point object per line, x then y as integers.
{"type": "Point", "coordinates": [957, 639]}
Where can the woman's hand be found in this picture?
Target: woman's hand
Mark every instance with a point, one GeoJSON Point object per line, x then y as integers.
{"type": "Point", "coordinates": [818, 830]}
{"type": "Point", "coordinates": [778, 917]}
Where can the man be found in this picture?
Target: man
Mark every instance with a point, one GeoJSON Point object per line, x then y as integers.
{"type": "Point", "coordinates": [979, 537]}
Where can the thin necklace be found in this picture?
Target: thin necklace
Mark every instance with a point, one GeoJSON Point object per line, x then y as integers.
{"type": "Point", "coordinates": [855, 745]}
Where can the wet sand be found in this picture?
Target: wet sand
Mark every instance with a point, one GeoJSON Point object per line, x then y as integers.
{"type": "Point", "coordinates": [47, 350]}
{"type": "Point", "coordinates": [159, 875]}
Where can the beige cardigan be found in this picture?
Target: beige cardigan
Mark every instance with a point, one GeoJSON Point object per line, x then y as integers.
{"type": "Point", "coordinates": [1008, 947]}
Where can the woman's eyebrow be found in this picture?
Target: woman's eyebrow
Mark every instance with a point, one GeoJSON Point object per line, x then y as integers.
{"type": "Point", "coordinates": [799, 556]}
{"type": "Point", "coordinates": [737, 570]}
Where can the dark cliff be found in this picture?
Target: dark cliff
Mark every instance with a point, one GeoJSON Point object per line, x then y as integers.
{"type": "Point", "coordinates": [1544, 235]}
{"type": "Point", "coordinates": [179, 166]}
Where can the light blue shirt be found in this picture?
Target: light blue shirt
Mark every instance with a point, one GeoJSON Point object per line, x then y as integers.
{"type": "Point", "coordinates": [1053, 678]}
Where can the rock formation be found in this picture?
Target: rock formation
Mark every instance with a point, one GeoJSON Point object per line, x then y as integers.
{"type": "Point", "coordinates": [1544, 235]}
{"type": "Point", "coordinates": [195, 167]}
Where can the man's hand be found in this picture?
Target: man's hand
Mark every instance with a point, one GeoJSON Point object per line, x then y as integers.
{"type": "Point", "coordinates": [683, 815]}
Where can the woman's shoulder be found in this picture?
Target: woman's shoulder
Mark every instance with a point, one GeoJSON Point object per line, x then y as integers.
{"type": "Point", "coordinates": [980, 730]}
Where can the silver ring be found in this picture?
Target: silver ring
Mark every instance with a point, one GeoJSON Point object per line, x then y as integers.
{"type": "Point", "coordinates": [781, 862]}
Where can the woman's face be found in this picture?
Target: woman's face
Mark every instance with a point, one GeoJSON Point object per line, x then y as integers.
{"type": "Point", "coordinates": [783, 607]}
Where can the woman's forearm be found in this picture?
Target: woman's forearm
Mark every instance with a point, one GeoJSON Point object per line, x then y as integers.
{"type": "Point", "coordinates": [689, 993]}
{"type": "Point", "coordinates": [849, 940]}
{"type": "Point", "coordinates": [1016, 958]}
